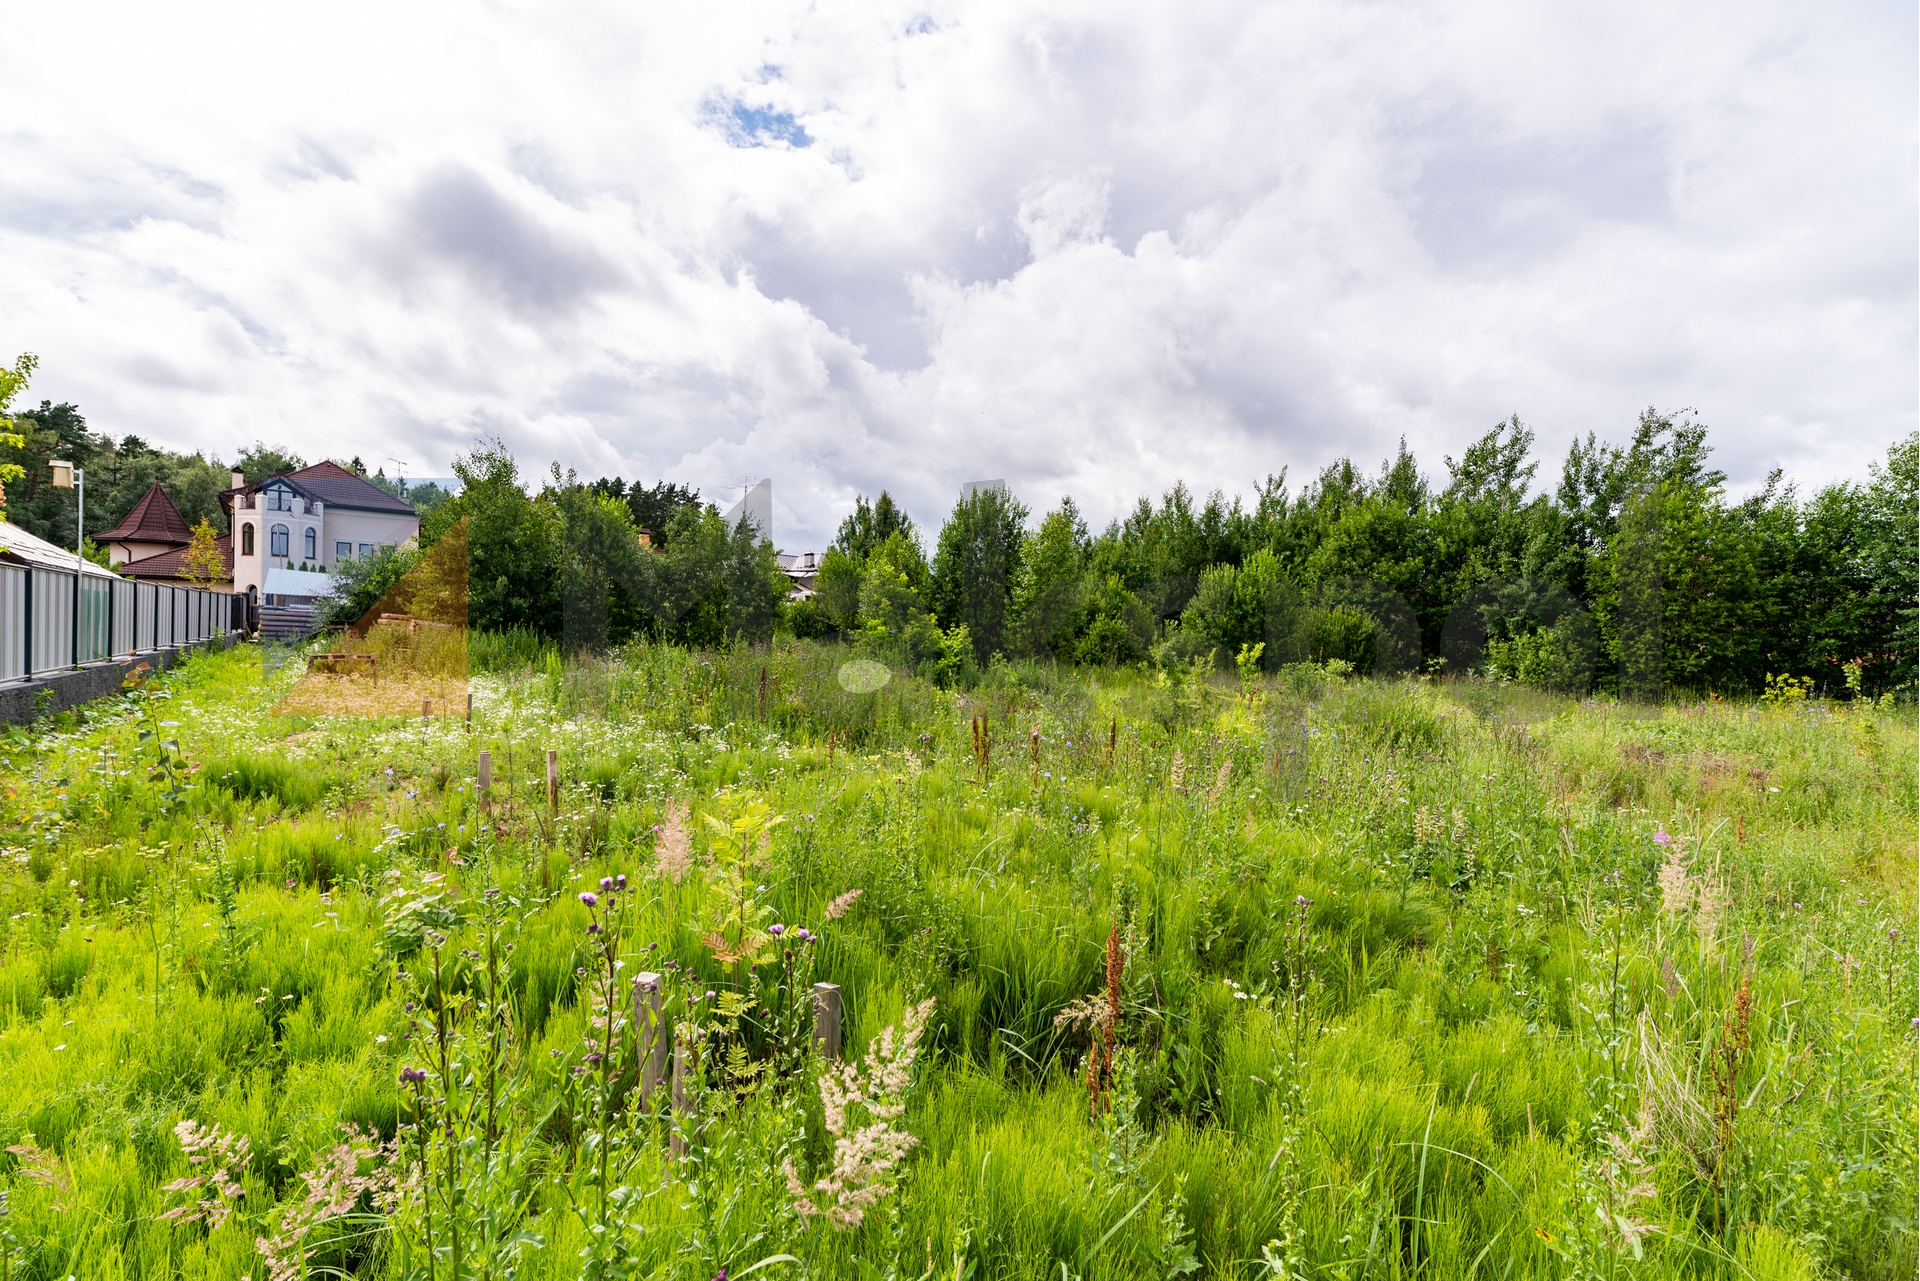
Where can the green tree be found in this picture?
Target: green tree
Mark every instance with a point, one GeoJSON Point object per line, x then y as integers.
{"type": "Point", "coordinates": [837, 586]}
{"type": "Point", "coordinates": [262, 460]}
{"type": "Point", "coordinates": [1049, 600]}
{"type": "Point", "coordinates": [514, 543]}
{"type": "Point", "coordinates": [202, 564]}
{"type": "Point", "coordinates": [12, 383]}
{"type": "Point", "coordinates": [976, 566]}
{"type": "Point", "coordinates": [870, 525]}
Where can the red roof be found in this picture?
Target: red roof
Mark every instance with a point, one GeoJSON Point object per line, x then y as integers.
{"type": "Point", "coordinates": [154, 519]}
{"type": "Point", "coordinates": [167, 564]}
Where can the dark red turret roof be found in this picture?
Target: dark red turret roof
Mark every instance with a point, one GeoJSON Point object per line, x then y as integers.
{"type": "Point", "coordinates": [154, 519]}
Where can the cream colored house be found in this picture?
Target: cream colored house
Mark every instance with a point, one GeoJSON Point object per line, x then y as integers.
{"type": "Point", "coordinates": [313, 519]}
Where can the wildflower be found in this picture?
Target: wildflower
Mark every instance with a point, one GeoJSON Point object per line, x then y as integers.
{"type": "Point", "coordinates": [1661, 838]}
{"type": "Point", "coordinates": [412, 1075]}
{"type": "Point", "coordinates": [1710, 901]}
{"type": "Point", "coordinates": [709, 995]}
{"type": "Point", "coordinates": [620, 882]}
{"type": "Point", "coordinates": [672, 849]}
{"type": "Point", "coordinates": [842, 905]}
{"type": "Point", "coordinates": [606, 885]}
{"type": "Point", "coordinates": [1674, 886]}
{"type": "Point", "coordinates": [589, 898]}
{"type": "Point", "coordinates": [776, 930]}
{"type": "Point", "coordinates": [863, 1156]}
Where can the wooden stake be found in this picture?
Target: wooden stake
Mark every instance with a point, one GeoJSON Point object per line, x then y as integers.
{"type": "Point", "coordinates": [426, 711]}
{"type": "Point", "coordinates": [485, 784]}
{"type": "Point", "coordinates": [553, 778]}
{"type": "Point", "coordinates": [826, 1018]}
{"type": "Point", "coordinates": [653, 1032]}
{"type": "Point", "coordinates": [469, 713]}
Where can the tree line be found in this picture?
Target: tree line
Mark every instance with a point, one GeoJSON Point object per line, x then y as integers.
{"type": "Point", "coordinates": [1635, 572]}
{"type": "Point", "coordinates": [119, 473]}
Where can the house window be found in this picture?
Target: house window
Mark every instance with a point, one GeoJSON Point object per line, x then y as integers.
{"type": "Point", "coordinates": [246, 539]}
{"type": "Point", "coordinates": [366, 549]}
{"type": "Point", "coordinates": [277, 541]}
{"type": "Point", "coordinates": [312, 546]}
{"type": "Point", "coordinates": [343, 551]}
{"type": "Point", "coordinates": [279, 499]}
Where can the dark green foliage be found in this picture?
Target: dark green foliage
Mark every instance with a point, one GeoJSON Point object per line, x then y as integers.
{"type": "Point", "coordinates": [118, 474]}
{"type": "Point", "coordinates": [976, 566]}
{"type": "Point", "coordinates": [513, 541]}
{"type": "Point", "coordinates": [871, 525]}
{"type": "Point", "coordinates": [262, 460]}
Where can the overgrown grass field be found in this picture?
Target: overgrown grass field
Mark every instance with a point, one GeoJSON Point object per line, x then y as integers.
{"type": "Point", "coordinates": [1300, 977]}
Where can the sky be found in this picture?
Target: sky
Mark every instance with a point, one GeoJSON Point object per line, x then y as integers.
{"type": "Point", "coordinates": [1087, 248]}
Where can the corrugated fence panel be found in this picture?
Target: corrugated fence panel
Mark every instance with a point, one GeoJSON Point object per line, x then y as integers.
{"type": "Point", "coordinates": [52, 621]}
{"type": "Point", "coordinates": [13, 620]}
{"type": "Point", "coordinates": [123, 593]}
{"type": "Point", "coordinates": [39, 611]}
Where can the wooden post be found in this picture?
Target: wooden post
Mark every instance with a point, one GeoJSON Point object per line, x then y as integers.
{"type": "Point", "coordinates": [826, 1018]}
{"type": "Point", "coordinates": [485, 784]}
{"type": "Point", "coordinates": [426, 712]}
{"type": "Point", "coordinates": [469, 712]}
{"type": "Point", "coordinates": [647, 1020]}
{"type": "Point", "coordinates": [553, 778]}
{"type": "Point", "coordinates": [682, 1052]}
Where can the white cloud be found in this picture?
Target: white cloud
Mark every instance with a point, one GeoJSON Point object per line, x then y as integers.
{"type": "Point", "coordinates": [1090, 248]}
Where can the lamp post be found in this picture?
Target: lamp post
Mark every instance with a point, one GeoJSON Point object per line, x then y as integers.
{"type": "Point", "coordinates": [67, 476]}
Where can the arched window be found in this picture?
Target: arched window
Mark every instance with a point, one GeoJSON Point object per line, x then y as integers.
{"type": "Point", "coordinates": [277, 541]}
{"type": "Point", "coordinates": [311, 551]}
{"type": "Point", "coordinates": [246, 539]}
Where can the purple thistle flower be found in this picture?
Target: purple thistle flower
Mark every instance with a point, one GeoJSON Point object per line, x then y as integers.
{"type": "Point", "coordinates": [412, 1075]}
{"type": "Point", "coordinates": [802, 934]}
{"type": "Point", "coordinates": [1661, 838]}
{"type": "Point", "coordinates": [776, 930]}
{"type": "Point", "coordinates": [709, 996]}
{"type": "Point", "coordinates": [593, 927]}
{"type": "Point", "coordinates": [606, 885]}
{"type": "Point", "coordinates": [588, 897]}
{"type": "Point", "coordinates": [620, 881]}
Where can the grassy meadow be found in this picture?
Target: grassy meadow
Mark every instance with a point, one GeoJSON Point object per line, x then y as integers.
{"type": "Point", "coordinates": [1299, 977]}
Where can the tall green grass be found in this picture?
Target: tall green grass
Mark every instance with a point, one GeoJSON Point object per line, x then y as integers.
{"type": "Point", "coordinates": [1404, 994]}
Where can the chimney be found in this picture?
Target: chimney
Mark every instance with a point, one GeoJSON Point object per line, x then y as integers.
{"type": "Point", "coordinates": [239, 479]}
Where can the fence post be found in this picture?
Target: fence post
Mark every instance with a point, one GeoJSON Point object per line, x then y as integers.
{"type": "Point", "coordinates": [647, 999]}
{"type": "Point", "coordinates": [485, 783]}
{"type": "Point", "coordinates": [469, 711]}
{"type": "Point", "coordinates": [426, 711]}
{"type": "Point", "coordinates": [553, 778]}
{"type": "Point", "coordinates": [826, 1019]}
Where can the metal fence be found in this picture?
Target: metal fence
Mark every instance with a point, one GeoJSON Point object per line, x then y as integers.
{"type": "Point", "coordinates": [113, 618]}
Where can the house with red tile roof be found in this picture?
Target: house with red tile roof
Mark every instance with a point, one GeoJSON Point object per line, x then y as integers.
{"type": "Point", "coordinates": [154, 526]}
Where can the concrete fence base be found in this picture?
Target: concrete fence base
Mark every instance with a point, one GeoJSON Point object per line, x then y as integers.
{"type": "Point", "coordinates": [49, 692]}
